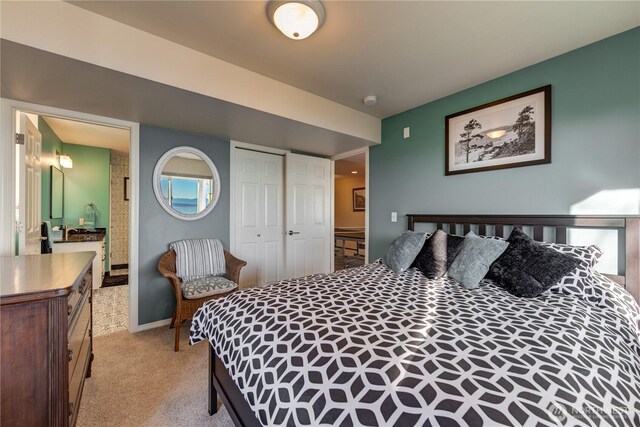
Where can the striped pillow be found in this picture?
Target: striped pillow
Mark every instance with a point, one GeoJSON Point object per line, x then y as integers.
{"type": "Point", "coordinates": [196, 258]}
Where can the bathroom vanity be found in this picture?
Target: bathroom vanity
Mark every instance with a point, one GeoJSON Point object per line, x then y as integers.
{"type": "Point", "coordinates": [82, 240]}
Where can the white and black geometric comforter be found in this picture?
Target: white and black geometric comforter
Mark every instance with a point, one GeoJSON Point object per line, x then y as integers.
{"type": "Point", "coordinates": [366, 346]}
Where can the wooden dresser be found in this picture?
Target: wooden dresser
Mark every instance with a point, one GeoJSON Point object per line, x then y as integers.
{"type": "Point", "coordinates": [46, 345]}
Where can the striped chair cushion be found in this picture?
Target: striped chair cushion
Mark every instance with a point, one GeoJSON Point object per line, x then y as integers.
{"type": "Point", "coordinates": [196, 258]}
{"type": "Point", "coordinates": [206, 286]}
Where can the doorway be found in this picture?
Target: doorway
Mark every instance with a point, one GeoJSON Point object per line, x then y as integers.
{"type": "Point", "coordinates": [350, 210]}
{"type": "Point", "coordinates": [72, 197]}
{"type": "Point", "coordinates": [85, 218]}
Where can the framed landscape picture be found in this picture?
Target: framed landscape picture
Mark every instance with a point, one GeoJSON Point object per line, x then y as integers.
{"type": "Point", "coordinates": [508, 133]}
{"type": "Point", "coordinates": [359, 201]}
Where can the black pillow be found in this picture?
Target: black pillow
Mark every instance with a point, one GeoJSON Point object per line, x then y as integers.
{"type": "Point", "coordinates": [527, 269]}
{"type": "Point", "coordinates": [437, 254]}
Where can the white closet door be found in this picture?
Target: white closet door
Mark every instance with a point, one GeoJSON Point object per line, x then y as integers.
{"type": "Point", "coordinates": [308, 215]}
{"type": "Point", "coordinates": [258, 196]}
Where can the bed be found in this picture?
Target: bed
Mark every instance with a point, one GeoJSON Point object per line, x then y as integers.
{"type": "Point", "coordinates": [365, 346]}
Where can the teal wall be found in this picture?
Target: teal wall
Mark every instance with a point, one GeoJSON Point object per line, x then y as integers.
{"type": "Point", "coordinates": [50, 144]}
{"type": "Point", "coordinates": [157, 229]}
{"type": "Point", "coordinates": [87, 181]}
{"type": "Point", "coordinates": [595, 146]}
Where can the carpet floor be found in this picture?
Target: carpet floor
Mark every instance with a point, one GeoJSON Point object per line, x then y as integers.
{"type": "Point", "coordinates": [138, 380]}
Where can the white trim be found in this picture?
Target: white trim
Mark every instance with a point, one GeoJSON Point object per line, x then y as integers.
{"type": "Point", "coordinates": [134, 218]}
{"type": "Point", "coordinates": [345, 155]}
{"type": "Point", "coordinates": [366, 207]}
{"type": "Point", "coordinates": [157, 186]}
{"type": "Point", "coordinates": [332, 223]}
{"type": "Point", "coordinates": [153, 325]}
{"type": "Point", "coordinates": [232, 199]}
{"type": "Point", "coordinates": [350, 153]}
{"type": "Point", "coordinates": [7, 179]}
{"type": "Point", "coordinates": [7, 185]}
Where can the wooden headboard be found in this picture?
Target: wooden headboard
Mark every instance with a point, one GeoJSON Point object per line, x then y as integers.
{"type": "Point", "coordinates": [627, 226]}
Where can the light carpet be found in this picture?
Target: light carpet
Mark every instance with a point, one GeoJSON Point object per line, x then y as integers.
{"type": "Point", "coordinates": [138, 380]}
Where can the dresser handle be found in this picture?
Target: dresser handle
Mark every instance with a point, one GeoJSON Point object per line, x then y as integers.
{"type": "Point", "coordinates": [70, 354]}
{"type": "Point", "coordinates": [69, 309]}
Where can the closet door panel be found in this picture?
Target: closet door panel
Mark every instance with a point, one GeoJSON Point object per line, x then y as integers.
{"type": "Point", "coordinates": [308, 230]}
{"type": "Point", "coordinates": [258, 211]}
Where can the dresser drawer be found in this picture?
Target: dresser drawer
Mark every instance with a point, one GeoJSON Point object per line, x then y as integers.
{"type": "Point", "coordinates": [76, 297]}
{"type": "Point", "coordinates": [79, 335]}
{"type": "Point", "coordinates": [76, 381]}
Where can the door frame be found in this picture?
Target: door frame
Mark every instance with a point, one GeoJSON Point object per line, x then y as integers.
{"type": "Point", "coordinates": [8, 110]}
{"type": "Point", "coordinates": [345, 155]}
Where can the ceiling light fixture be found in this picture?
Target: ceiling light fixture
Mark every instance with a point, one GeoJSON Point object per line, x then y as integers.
{"type": "Point", "coordinates": [496, 133]}
{"type": "Point", "coordinates": [296, 19]}
{"type": "Point", "coordinates": [370, 100]}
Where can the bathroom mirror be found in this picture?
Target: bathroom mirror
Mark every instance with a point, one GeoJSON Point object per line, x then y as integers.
{"type": "Point", "coordinates": [57, 192]}
{"type": "Point", "coordinates": [186, 183]}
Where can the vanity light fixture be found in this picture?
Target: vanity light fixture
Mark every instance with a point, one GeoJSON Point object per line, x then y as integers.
{"type": "Point", "coordinates": [65, 161]}
{"type": "Point", "coordinates": [496, 133]}
{"type": "Point", "coordinates": [296, 19]}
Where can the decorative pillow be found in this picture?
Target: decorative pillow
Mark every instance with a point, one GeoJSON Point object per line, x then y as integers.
{"type": "Point", "coordinates": [197, 258]}
{"type": "Point", "coordinates": [579, 282]}
{"type": "Point", "coordinates": [403, 250]}
{"type": "Point", "coordinates": [206, 286]}
{"type": "Point", "coordinates": [527, 269]}
{"type": "Point", "coordinates": [474, 259]}
{"type": "Point", "coordinates": [437, 253]}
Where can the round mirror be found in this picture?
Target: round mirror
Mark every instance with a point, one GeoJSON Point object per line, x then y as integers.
{"type": "Point", "coordinates": [186, 183]}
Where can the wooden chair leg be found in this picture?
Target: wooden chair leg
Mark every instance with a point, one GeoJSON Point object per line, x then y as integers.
{"type": "Point", "coordinates": [173, 321]}
{"type": "Point", "coordinates": [177, 345]}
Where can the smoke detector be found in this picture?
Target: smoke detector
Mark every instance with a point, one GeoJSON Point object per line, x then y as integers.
{"type": "Point", "coordinates": [370, 100]}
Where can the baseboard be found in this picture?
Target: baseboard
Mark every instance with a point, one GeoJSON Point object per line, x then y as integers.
{"type": "Point", "coordinates": [119, 266]}
{"type": "Point", "coordinates": [153, 325]}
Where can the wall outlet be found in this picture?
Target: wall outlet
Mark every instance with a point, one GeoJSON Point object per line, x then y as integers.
{"type": "Point", "coordinates": [394, 216]}
{"type": "Point", "coordinates": [406, 132]}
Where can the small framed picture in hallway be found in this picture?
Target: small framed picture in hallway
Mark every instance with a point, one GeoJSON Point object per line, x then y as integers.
{"type": "Point", "coordinates": [359, 201]}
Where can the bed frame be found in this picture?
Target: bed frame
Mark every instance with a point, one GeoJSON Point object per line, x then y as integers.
{"type": "Point", "coordinates": [628, 228]}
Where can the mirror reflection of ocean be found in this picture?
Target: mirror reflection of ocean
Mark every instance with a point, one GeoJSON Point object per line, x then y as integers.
{"type": "Point", "coordinates": [186, 208]}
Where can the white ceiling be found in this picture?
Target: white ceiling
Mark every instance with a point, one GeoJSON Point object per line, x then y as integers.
{"type": "Point", "coordinates": [407, 53]}
{"type": "Point", "coordinates": [81, 133]}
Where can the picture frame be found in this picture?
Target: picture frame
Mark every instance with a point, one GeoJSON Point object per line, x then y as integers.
{"type": "Point", "coordinates": [359, 199]}
{"type": "Point", "coordinates": [126, 188]}
{"type": "Point", "coordinates": [512, 132]}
